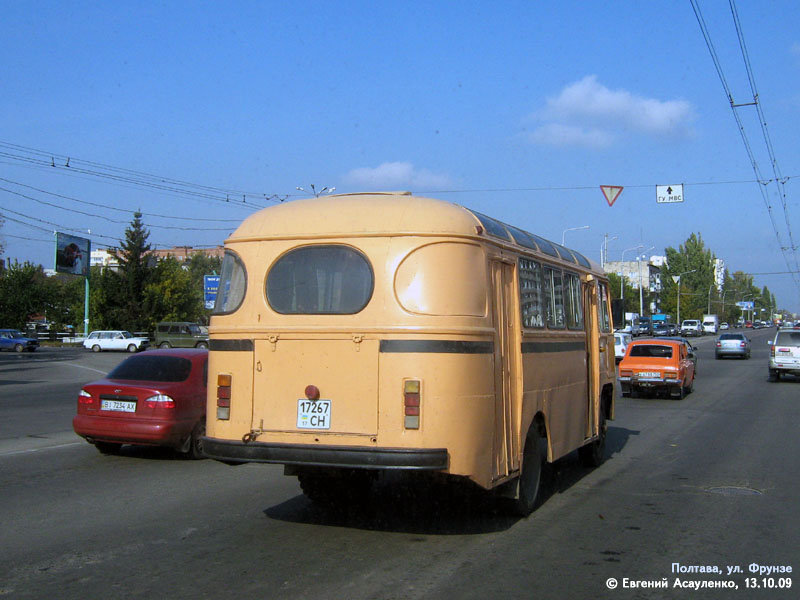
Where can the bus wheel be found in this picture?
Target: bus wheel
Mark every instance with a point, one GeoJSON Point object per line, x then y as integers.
{"type": "Point", "coordinates": [530, 479]}
{"type": "Point", "coordinates": [593, 454]}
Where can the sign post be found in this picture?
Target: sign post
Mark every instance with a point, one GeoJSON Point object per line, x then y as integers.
{"type": "Point", "coordinates": [72, 256]}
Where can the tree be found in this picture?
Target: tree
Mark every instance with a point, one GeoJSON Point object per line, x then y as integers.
{"type": "Point", "coordinates": [22, 293]}
{"type": "Point", "coordinates": [694, 264]}
{"type": "Point", "coordinates": [172, 295]}
{"type": "Point", "coordinates": [134, 271]}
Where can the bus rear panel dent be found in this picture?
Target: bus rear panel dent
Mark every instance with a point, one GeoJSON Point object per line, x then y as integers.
{"type": "Point", "coordinates": [389, 332]}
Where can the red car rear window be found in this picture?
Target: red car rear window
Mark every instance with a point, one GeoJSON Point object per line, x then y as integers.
{"type": "Point", "coordinates": [145, 367]}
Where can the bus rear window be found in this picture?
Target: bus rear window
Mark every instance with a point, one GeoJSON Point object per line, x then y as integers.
{"type": "Point", "coordinates": [317, 280]}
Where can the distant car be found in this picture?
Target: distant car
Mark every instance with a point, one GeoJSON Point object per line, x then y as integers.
{"type": "Point", "coordinates": [115, 340]}
{"type": "Point", "coordinates": [621, 341]}
{"type": "Point", "coordinates": [15, 340]}
{"type": "Point", "coordinates": [180, 334]}
{"type": "Point", "coordinates": [156, 398]}
{"type": "Point", "coordinates": [657, 366]}
{"type": "Point", "coordinates": [748, 324]}
{"type": "Point", "coordinates": [732, 344]}
{"type": "Point", "coordinates": [691, 327]}
{"type": "Point", "coordinates": [645, 327]}
{"type": "Point", "coordinates": [724, 325]}
{"type": "Point", "coordinates": [784, 353]}
{"type": "Point", "coordinates": [660, 328]}
{"type": "Point", "coordinates": [673, 329]}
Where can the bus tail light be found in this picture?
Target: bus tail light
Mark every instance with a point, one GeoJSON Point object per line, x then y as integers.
{"type": "Point", "coordinates": [411, 403]}
{"type": "Point", "coordinates": [223, 396]}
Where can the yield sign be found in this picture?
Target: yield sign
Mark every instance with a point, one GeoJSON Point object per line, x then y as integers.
{"type": "Point", "coordinates": [611, 192]}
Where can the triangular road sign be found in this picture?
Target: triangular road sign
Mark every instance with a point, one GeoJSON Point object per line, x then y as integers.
{"type": "Point", "coordinates": [611, 192]}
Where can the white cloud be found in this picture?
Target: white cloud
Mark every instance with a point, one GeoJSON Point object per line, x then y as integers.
{"type": "Point", "coordinates": [393, 175]}
{"type": "Point", "coordinates": [556, 134]}
{"type": "Point", "coordinates": [589, 114]}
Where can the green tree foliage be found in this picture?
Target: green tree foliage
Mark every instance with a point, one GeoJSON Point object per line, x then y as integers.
{"type": "Point", "coordinates": [65, 297]}
{"type": "Point", "coordinates": [172, 294]}
{"type": "Point", "coordinates": [22, 293]}
{"type": "Point", "coordinates": [106, 299]}
{"type": "Point", "coordinates": [630, 294]}
{"type": "Point", "coordinates": [134, 272]}
{"type": "Point", "coordinates": [694, 264]}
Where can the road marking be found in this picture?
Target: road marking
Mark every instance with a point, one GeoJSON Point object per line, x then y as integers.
{"type": "Point", "coordinates": [40, 449]}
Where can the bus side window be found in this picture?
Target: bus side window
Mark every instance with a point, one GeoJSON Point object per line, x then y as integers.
{"type": "Point", "coordinates": [530, 291]}
{"type": "Point", "coordinates": [574, 300]}
{"type": "Point", "coordinates": [554, 298]}
{"type": "Point", "coordinates": [603, 321]}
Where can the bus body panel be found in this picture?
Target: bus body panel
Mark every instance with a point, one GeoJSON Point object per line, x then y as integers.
{"type": "Point", "coordinates": [444, 311]}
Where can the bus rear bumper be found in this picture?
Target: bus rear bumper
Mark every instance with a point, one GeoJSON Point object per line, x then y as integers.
{"type": "Point", "coordinates": [352, 457]}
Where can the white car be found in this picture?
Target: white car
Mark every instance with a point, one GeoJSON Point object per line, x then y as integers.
{"type": "Point", "coordinates": [621, 341]}
{"type": "Point", "coordinates": [115, 340]}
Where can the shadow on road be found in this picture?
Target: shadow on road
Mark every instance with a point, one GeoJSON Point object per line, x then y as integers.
{"type": "Point", "coordinates": [407, 504]}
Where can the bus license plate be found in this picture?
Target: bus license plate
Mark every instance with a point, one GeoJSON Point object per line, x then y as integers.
{"type": "Point", "coordinates": [118, 406]}
{"type": "Point", "coordinates": [313, 414]}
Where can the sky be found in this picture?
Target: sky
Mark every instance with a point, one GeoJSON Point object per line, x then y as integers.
{"type": "Point", "coordinates": [198, 114]}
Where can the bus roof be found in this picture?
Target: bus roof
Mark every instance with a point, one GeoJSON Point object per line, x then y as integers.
{"type": "Point", "coordinates": [388, 213]}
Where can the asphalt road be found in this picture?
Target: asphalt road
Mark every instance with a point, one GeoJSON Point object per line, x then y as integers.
{"type": "Point", "coordinates": [707, 482]}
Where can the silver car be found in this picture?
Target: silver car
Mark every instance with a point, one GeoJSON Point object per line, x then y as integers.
{"type": "Point", "coordinates": [732, 344]}
{"type": "Point", "coordinates": [784, 353]}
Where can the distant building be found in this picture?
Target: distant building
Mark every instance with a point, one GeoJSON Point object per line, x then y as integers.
{"type": "Point", "coordinates": [104, 257]}
{"type": "Point", "coordinates": [184, 253]}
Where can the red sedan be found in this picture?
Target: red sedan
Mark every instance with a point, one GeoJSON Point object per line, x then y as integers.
{"type": "Point", "coordinates": [156, 398]}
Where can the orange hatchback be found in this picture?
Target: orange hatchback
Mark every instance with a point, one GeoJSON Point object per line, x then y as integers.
{"type": "Point", "coordinates": [656, 367]}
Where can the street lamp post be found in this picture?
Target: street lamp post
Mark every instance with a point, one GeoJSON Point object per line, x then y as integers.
{"type": "Point", "coordinates": [677, 279]}
{"type": "Point", "coordinates": [314, 191]}
{"type": "Point", "coordinates": [743, 299]}
{"type": "Point", "coordinates": [604, 249]}
{"type": "Point", "coordinates": [571, 229]}
{"type": "Point", "coordinates": [639, 258]}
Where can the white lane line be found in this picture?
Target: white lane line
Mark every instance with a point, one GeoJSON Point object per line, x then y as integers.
{"type": "Point", "coordinates": [29, 450]}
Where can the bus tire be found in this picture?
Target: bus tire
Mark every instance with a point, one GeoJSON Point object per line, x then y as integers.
{"type": "Point", "coordinates": [529, 483]}
{"type": "Point", "coordinates": [594, 453]}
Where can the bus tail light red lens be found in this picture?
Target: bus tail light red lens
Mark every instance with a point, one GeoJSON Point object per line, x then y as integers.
{"type": "Point", "coordinates": [224, 396]}
{"type": "Point", "coordinates": [412, 403]}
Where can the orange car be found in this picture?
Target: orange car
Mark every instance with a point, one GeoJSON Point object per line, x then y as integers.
{"type": "Point", "coordinates": [657, 366]}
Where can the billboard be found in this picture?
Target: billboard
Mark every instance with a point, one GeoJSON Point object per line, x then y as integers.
{"type": "Point", "coordinates": [72, 254]}
{"type": "Point", "coordinates": [210, 287]}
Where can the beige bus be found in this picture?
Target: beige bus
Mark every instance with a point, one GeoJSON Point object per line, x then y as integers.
{"type": "Point", "coordinates": [363, 333]}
